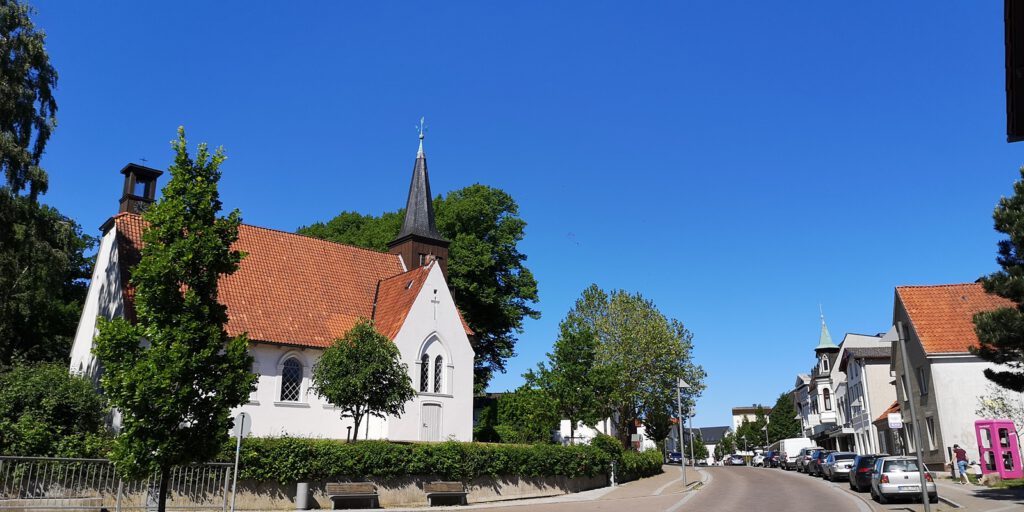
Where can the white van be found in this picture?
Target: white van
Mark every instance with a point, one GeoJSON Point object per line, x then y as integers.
{"type": "Point", "coordinates": [789, 450]}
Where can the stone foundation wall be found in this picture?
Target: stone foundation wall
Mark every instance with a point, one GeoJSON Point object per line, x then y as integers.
{"type": "Point", "coordinates": [408, 491]}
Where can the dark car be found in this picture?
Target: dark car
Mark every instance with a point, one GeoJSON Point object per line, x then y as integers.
{"type": "Point", "coordinates": [817, 459]}
{"type": "Point", "coordinates": [804, 459]}
{"type": "Point", "coordinates": [860, 471]}
{"type": "Point", "coordinates": [674, 458]}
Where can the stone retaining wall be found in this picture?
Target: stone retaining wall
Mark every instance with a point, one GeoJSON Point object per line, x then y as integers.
{"type": "Point", "coordinates": [408, 491]}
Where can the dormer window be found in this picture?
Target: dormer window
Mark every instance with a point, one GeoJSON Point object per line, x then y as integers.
{"type": "Point", "coordinates": [824, 363]}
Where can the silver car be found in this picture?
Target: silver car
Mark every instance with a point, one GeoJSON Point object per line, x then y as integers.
{"type": "Point", "coordinates": [899, 477]}
{"type": "Point", "coordinates": [837, 466]}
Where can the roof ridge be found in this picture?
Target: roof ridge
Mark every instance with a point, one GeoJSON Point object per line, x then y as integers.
{"type": "Point", "coordinates": [947, 285]}
{"type": "Point", "coordinates": [417, 269]}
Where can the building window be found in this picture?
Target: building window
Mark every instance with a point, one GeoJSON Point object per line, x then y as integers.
{"type": "Point", "coordinates": [931, 432]}
{"type": "Point", "coordinates": [922, 380]}
{"type": "Point", "coordinates": [424, 373]}
{"type": "Point", "coordinates": [438, 364]}
{"type": "Point", "coordinates": [291, 380]}
{"type": "Point", "coordinates": [824, 363]}
{"type": "Point", "coordinates": [827, 398]}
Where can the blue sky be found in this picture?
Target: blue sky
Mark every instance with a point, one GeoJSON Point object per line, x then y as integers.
{"type": "Point", "coordinates": [737, 162]}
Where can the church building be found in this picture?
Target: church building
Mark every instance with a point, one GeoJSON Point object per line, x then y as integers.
{"type": "Point", "coordinates": [293, 295]}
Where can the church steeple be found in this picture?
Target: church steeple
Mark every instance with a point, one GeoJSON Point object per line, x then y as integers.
{"type": "Point", "coordinates": [824, 339]}
{"type": "Point", "coordinates": [419, 242]}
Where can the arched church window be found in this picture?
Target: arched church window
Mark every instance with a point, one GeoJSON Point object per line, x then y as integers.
{"type": "Point", "coordinates": [424, 373]}
{"type": "Point", "coordinates": [291, 380]}
{"type": "Point", "coordinates": [438, 363]}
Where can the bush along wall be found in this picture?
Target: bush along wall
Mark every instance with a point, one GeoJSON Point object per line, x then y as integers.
{"type": "Point", "coordinates": [288, 460]}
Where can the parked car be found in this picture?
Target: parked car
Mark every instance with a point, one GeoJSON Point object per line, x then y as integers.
{"type": "Point", "coordinates": [791, 450]}
{"type": "Point", "coordinates": [674, 458]}
{"type": "Point", "coordinates": [817, 459]}
{"type": "Point", "coordinates": [837, 466]}
{"type": "Point", "coordinates": [899, 477]}
{"type": "Point", "coordinates": [757, 461]}
{"type": "Point", "coordinates": [860, 471]}
{"type": "Point", "coordinates": [772, 460]}
{"type": "Point", "coordinates": [805, 458]}
{"type": "Point", "coordinates": [735, 460]}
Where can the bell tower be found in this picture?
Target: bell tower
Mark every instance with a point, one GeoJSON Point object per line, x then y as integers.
{"type": "Point", "coordinates": [139, 188]}
{"type": "Point", "coordinates": [419, 242]}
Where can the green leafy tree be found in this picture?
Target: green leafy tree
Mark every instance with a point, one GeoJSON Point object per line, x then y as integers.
{"type": "Point", "coordinates": [362, 374]}
{"type": "Point", "coordinates": [998, 403]}
{"type": "Point", "coordinates": [42, 266]}
{"type": "Point", "coordinates": [642, 352]}
{"type": "Point", "coordinates": [658, 424]}
{"type": "Point", "coordinates": [487, 273]}
{"type": "Point", "coordinates": [782, 422]}
{"type": "Point", "coordinates": [571, 378]}
{"type": "Point", "coordinates": [525, 416]}
{"type": "Point", "coordinates": [28, 109]}
{"type": "Point", "coordinates": [726, 446]}
{"type": "Point", "coordinates": [699, 451]}
{"type": "Point", "coordinates": [753, 430]}
{"type": "Point", "coordinates": [1001, 332]}
{"type": "Point", "coordinates": [46, 411]}
{"type": "Point", "coordinates": [175, 374]}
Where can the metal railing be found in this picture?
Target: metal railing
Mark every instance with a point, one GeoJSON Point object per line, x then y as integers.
{"type": "Point", "coordinates": [93, 484]}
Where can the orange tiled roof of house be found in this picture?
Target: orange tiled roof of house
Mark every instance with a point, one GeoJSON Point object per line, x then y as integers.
{"type": "Point", "coordinates": [293, 289]}
{"type": "Point", "coordinates": [895, 407]}
{"type": "Point", "coordinates": [942, 315]}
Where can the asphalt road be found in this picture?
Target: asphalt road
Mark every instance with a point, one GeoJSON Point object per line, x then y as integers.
{"type": "Point", "coordinates": [722, 488]}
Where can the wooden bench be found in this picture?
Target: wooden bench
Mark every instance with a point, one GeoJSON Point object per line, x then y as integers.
{"type": "Point", "coordinates": [352, 491]}
{"type": "Point", "coordinates": [444, 490]}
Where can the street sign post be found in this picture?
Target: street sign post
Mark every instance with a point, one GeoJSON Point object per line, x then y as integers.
{"type": "Point", "coordinates": [243, 423]}
{"type": "Point", "coordinates": [895, 420]}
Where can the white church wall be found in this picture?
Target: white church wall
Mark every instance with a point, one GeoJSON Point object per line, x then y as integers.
{"type": "Point", "coordinates": [102, 299]}
{"type": "Point", "coordinates": [433, 327]}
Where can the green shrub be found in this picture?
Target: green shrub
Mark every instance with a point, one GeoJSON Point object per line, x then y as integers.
{"type": "Point", "coordinates": [608, 444]}
{"type": "Point", "coordinates": [46, 411]}
{"type": "Point", "coordinates": [635, 465]}
{"type": "Point", "coordinates": [290, 459]}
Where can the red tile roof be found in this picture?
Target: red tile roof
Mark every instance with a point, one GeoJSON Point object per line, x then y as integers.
{"type": "Point", "coordinates": [296, 290]}
{"type": "Point", "coordinates": [895, 407]}
{"type": "Point", "coordinates": [942, 315]}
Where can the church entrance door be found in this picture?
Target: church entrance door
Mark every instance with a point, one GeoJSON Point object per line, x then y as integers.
{"type": "Point", "coordinates": [431, 422]}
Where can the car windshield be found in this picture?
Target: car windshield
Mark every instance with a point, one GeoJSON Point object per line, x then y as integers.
{"type": "Point", "coordinates": [899, 466]}
{"type": "Point", "coordinates": [844, 456]}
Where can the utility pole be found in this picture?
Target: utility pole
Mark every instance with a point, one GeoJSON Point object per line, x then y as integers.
{"type": "Point", "coordinates": [679, 409]}
{"type": "Point", "coordinates": [908, 380]}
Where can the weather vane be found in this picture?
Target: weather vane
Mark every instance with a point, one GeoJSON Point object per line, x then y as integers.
{"type": "Point", "coordinates": [422, 127]}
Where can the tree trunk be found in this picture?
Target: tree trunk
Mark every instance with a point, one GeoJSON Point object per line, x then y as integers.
{"type": "Point", "coordinates": [165, 477]}
{"type": "Point", "coordinates": [572, 432]}
{"type": "Point", "coordinates": [356, 419]}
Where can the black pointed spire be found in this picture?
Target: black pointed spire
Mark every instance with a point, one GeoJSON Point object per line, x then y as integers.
{"type": "Point", "coordinates": [419, 242]}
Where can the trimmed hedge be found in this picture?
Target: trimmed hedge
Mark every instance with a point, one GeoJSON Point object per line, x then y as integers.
{"type": "Point", "coordinates": [635, 465]}
{"type": "Point", "coordinates": [290, 459]}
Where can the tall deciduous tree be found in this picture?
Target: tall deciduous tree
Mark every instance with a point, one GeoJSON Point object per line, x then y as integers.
{"type": "Point", "coordinates": [175, 374]}
{"type": "Point", "coordinates": [362, 374]}
{"type": "Point", "coordinates": [42, 266]}
{"type": "Point", "coordinates": [27, 107]}
{"type": "Point", "coordinates": [782, 422]}
{"type": "Point", "coordinates": [571, 377]}
{"type": "Point", "coordinates": [1001, 332]}
{"type": "Point", "coordinates": [486, 271]}
{"type": "Point", "coordinates": [643, 353]}
{"type": "Point", "coordinates": [1000, 403]}
{"type": "Point", "coordinates": [753, 431]}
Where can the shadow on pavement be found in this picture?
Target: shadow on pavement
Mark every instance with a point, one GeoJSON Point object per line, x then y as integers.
{"type": "Point", "coordinates": [1011, 494]}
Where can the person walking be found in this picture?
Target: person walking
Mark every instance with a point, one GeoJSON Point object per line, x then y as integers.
{"type": "Point", "coordinates": [961, 463]}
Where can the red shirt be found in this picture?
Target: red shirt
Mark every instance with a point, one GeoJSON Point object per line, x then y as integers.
{"type": "Point", "coordinates": [960, 454]}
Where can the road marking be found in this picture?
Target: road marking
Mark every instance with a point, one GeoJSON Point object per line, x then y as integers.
{"type": "Point", "coordinates": [705, 480]}
{"type": "Point", "coordinates": [662, 488]}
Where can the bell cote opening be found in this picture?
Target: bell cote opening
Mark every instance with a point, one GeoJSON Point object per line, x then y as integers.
{"type": "Point", "coordinates": [139, 188]}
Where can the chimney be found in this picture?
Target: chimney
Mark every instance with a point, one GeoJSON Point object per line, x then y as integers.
{"type": "Point", "coordinates": [139, 188]}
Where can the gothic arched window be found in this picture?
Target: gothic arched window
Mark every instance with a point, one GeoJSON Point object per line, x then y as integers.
{"type": "Point", "coordinates": [438, 363]}
{"type": "Point", "coordinates": [291, 380]}
{"type": "Point", "coordinates": [424, 373]}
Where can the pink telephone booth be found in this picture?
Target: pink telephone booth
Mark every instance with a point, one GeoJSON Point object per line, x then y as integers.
{"type": "Point", "coordinates": [1000, 452]}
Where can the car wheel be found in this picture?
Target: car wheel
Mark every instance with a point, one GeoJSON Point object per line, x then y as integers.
{"type": "Point", "coordinates": [882, 499]}
{"type": "Point", "coordinates": [933, 498]}
{"type": "Point", "coordinates": [831, 477]}
{"type": "Point", "coordinates": [874, 496]}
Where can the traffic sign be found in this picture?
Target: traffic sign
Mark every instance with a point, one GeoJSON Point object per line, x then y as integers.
{"type": "Point", "coordinates": [895, 420]}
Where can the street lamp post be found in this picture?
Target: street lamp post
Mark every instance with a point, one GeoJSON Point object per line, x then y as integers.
{"type": "Point", "coordinates": [679, 408]}
{"type": "Point", "coordinates": [907, 383]}
{"type": "Point", "coordinates": [765, 436]}
{"type": "Point", "coordinates": [692, 459]}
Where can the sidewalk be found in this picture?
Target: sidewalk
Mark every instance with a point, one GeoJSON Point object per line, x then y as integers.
{"type": "Point", "coordinates": [980, 498]}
